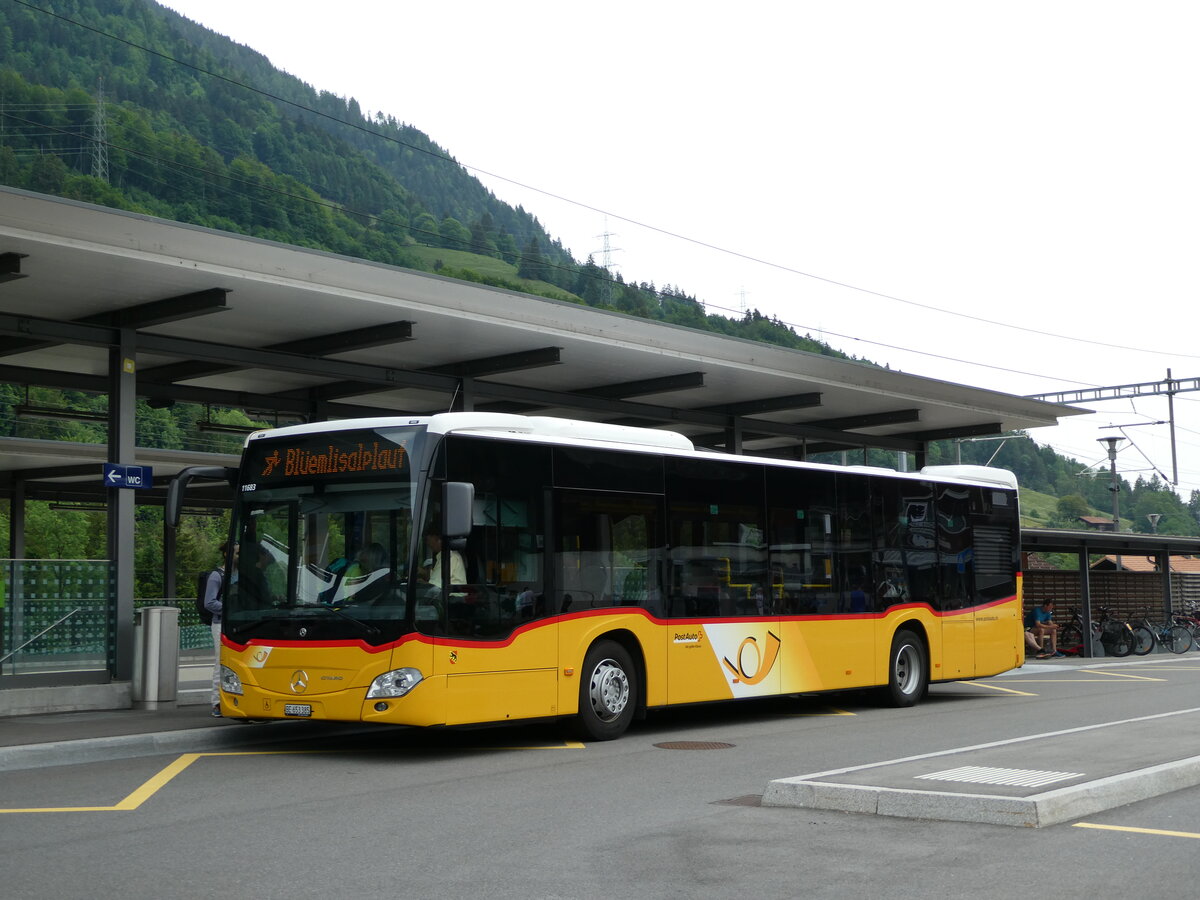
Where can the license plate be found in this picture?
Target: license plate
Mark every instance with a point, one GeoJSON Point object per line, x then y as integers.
{"type": "Point", "coordinates": [297, 709]}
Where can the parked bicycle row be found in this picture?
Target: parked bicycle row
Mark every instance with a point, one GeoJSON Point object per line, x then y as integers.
{"type": "Point", "coordinates": [1137, 635]}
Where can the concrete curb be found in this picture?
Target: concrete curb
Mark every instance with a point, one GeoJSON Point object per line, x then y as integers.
{"type": "Point", "coordinates": [1035, 811]}
{"type": "Point", "coordinates": [225, 737]}
{"type": "Point", "coordinates": [1016, 780]}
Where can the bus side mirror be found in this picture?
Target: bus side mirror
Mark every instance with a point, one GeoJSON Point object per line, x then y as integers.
{"type": "Point", "coordinates": [458, 505]}
{"type": "Point", "coordinates": [178, 487]}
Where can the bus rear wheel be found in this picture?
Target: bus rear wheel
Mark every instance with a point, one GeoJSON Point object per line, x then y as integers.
{"type": "Point", "coordinates": [607, 692]}
{"type": "Point", "coordinates": [908, 671]}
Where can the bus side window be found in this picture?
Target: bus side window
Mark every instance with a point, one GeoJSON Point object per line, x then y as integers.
{"type": "Point", "coordinates": [802, 535]}
{"type": "Point", "coordinates": [717, 534]}
{"type": "Point", "coordinates": [505, 552]}
{"type": "Point", "coordinates": [609, 551]}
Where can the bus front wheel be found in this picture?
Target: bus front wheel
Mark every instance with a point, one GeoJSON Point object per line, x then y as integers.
{"type": "Point", "coordinates": [607, 692]}
{"type": "Point", "coordinates": [908, 671]}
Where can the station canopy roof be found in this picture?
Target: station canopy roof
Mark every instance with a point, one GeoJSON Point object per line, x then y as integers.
{"type": "Point", "coordinates": [294, 333]}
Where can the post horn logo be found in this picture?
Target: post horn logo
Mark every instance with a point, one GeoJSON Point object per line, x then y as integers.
{"type": "Point", "coordinates": [764, 660]}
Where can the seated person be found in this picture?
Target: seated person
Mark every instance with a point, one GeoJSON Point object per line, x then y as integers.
{"type": "Point", "coordinates": [1032, 644]}
{"type": "Point", "coordinates": [524, 604]}
{"type": "Point", "coordinates": [257, 582]}
{"type": "Point", "coordinates": [431, 572]}
{"type": "Point", "coordinates": [368, 578]}
{"type": "Point", "coordinates": [1040, 623]}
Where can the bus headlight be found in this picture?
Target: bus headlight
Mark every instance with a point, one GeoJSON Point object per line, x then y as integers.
{"type": "Point", "coordinates": [230, 683]}
{"type": "Point", "coordinates": [396, 683]}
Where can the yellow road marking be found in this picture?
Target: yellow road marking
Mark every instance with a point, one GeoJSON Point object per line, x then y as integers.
{"type": "Point", "coordinates": [1157, 831]}
{"type": "Point", "coordinates": [157, 782]}
{"type": "Point", "coordinates": [153, 785]}
{"type": "Point", "coordinates": [996, 687]}
{"type": "Point", "coordinates": [1125, 675]}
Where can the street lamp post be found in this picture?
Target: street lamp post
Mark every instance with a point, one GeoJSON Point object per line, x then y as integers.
{"type": "Point", "coordinates": [1114, 485]}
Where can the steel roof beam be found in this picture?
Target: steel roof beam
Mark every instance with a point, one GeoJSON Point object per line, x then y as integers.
{"type": "Point", "coordinates": [143, 315]}
{"type": "Point", "coordinates": [872, 420]}
{"type": "Point", "coordinates": [768, 405]}
{"type": "Point", "coordinates": [495, 365]}
{"type": "Point", "coordinates": [643, 387]}
{"type": "Point", "coordinates": [10, 266]}
{"type": "Point", "coordinates": [300, 405]}
{"type": "Point", "coordinates": [48, 473]}
{"type": "Point", "coordinates": [948, 434]}
{"type": "Point", "coordinates": [381, 378]}
{"type": "Point", "coordinates": [326, 345]}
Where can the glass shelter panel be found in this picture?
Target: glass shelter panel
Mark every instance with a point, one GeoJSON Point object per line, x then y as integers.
{"type": "Point", "coordinates": [56, 615]}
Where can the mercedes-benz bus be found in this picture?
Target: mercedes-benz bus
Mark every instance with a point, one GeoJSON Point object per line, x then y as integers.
{"type": "Point", "coordinates": [471, 568]}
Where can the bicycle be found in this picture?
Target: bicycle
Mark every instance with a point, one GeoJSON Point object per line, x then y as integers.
{"type": "Point", "coordinates": [1190, 619]}
{"type": "Point", "coordinates": [1115, 636]}
{"type": "Point", "coordinates": [1171, 636]}
{"type": "Point", "coordinates": [1070, 635]}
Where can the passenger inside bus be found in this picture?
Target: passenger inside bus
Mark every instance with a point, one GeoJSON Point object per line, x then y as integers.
{"type": "Point", "coordinates": [368, 579]}
{"type": "Point", "coordinates": [431, 572]}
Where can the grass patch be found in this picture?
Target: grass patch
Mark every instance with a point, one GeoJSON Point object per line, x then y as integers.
{"type": "Point", "coordinates": [492, 269]}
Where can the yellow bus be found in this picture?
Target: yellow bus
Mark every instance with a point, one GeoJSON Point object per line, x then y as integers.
{"type": "Point", "coordinates": [470, 568]}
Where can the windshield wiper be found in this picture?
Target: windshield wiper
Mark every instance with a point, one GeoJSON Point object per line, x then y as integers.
{"type": "Point", "coordinates": [368, 629]}
{"type": "Point", "coordinates": [235, 630]}
{"type": "Point", "coordinates": [365, 627]}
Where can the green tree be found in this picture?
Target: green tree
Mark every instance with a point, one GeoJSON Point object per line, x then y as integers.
{"type": "Point", "coordinates": [48, 174]}
{"type": "Point", "coordinates": [1071, 507]}
{"type": "Point", "coordinates": [425, 230]}
{"type": "Point", "coordinates": [455, 235]}
{"type": "Point", "coordinates": [532, 264]}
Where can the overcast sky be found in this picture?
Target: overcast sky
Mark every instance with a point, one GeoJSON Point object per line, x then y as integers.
{"type": "Point", "coordinates": [998, 194]}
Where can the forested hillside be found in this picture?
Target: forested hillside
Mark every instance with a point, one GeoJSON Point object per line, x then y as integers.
{"type": "Point", "coordinates": [126, 104]}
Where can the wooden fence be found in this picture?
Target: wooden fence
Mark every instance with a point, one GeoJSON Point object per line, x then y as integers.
{"type": "Point", "coordinates": [1125, 593]}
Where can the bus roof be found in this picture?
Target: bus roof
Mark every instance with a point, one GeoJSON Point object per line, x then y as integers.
{"type": "Point", "coordinates": [566, 430]}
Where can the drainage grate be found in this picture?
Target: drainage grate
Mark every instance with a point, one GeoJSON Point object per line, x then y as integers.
{"type": "Point", "coordinates": [991, 775]}
{"type": "Point", "coordinates": [693, 745]}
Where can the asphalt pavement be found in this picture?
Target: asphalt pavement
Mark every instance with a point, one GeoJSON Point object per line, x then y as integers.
{"type": "Point", "coordinates": [187, 726]}
{"type": "Point", "coordinates": [1001, 782]}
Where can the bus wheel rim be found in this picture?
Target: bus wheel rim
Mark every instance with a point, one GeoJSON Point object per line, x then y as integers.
{"type": "Point", "coordinates": [906, 668]}
{"type": "Point", "coordinates": [608, 690]}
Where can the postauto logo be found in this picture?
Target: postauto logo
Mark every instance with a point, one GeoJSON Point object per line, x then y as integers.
{"type": "Point", "coordinates": [748, 659]}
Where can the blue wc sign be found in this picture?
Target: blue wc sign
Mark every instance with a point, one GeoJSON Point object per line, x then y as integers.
{"type": "Point", "coordinates": [117, 476]}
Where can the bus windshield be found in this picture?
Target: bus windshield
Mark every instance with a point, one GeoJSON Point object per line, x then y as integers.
{"type": "Point", "coordinates": [324, 532]}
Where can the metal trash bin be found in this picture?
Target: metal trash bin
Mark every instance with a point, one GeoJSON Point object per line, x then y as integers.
{"type": "Point", "coordinates": [156, 657]}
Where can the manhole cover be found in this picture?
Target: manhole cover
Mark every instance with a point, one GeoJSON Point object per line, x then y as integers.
{"type": "Point", "coordinates": [693, 745]}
